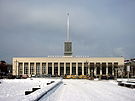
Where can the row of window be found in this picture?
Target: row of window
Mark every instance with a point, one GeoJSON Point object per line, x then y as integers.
{"type": "Point", "coordinates": [86, 66]}
{"type": "Point", "coordinates": [20, 68]}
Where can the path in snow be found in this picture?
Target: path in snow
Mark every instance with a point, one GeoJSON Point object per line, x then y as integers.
{"type": "Point", "coordinates": [86, 90]}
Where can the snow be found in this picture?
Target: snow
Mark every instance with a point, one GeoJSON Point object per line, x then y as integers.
{"type": "Point", "coordinates": [125, 79]}
{"type": "Point", "coordinates": [15, 89]}
{"type": "Point", "coordinates": [126, 82]}
{"type": "Point", "coordinates": [86, 90]}
{"type": "Point", "coordinates": [69, 90]}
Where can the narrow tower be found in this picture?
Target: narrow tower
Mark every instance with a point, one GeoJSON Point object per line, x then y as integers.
{"type": "Point", "coordinates": [68, 43]}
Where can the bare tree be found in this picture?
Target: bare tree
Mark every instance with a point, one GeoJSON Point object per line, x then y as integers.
{"type": "Point", "coordinates": [121, 71]}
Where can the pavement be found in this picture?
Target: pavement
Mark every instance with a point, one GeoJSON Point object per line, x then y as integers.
{"type": "Point", "coordinates": [87, 90]}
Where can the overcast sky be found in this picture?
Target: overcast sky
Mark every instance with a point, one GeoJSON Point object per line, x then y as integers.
{"type": "Point", "coordinates": [98, 28]}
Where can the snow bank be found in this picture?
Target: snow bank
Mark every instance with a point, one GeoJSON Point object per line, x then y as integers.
{"type": "Point", "coordinates": [14, 90]}
{"type": "Point", "coordinates": [39, 93]}
{"type": "Point", "coordinates": [125, 79]}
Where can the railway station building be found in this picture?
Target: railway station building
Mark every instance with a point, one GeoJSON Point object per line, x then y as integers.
{"type": "Point", "coordinates": [66, 64]}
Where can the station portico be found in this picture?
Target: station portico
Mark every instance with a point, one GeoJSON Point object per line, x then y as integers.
{"type": "Point", "coordinates": [66, 65]}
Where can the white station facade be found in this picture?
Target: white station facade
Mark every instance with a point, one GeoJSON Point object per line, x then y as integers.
{"type": "Point", "coordinates": [66, 65]}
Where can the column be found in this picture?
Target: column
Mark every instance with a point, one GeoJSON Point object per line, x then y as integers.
{"type": "Point", "coordinates": [106, 68]}
{"type": "Point", "coordinates": [88, 68]}
{"type": "Point", "coordinates": [58, 68]}
{"type": "Point", "coordinates": [22, 68]}
{"type": "Point", "coordinates": [14, 68]}
{"type": "Point", "coordinates": [29, 69]}
{"type": "Point", "coordinates": [112, 68]}
{"type": "Point", "coordinates": [17, 67]}
{"type": "Point", "coordinates": [95, 70]}
{"type": "Point", "coordinates": [76, 68]}
{"type": "Point", "coordinates": [40, 68]}
{"type": "Point", "coordinates": [100, 68]}
{"type": "Point", "coordinates": [70, 68]}
{"type": "Point", "coordinates": [64, 68]}
{"type": "Point", "coordinates": [35, 68]}
{"type": "Point", "coordinates": [52, 68]}
{"type": "Point", "coordinates": [82, 68]}
{"type": "Point", "coordinates": [46, 68]}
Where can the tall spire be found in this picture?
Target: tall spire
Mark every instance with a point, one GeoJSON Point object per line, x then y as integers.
{"type": "Point", "coordinates": [67, 26]}
{"type": "Point", "coordinates": [68, 43]}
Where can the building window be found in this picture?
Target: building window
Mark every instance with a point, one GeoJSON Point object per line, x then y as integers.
{"type": "Point", "coordinates": [115, 68]}
{"type": "Point", "coordinates": [32, 68]}
{"type": "Point", "coordinates": [20, 68]}
{"type": "Point", "coordinates": [91, 69]}
{"type": "Point", "coordinates": [98, 68]}
{"type": "Point", "coordinates": [79, 68]}
{"type": "Point", "coordinates": [110, 68]}
{"type": "Point", "coordinates": [25, 68]}
{"type": "Point", "coordinates": [68, 68]}
{"type": "Point", "coordinates": [61, 68]}
{"type": "Point", "coordinates": [50, 68]}
{"type": "Point", "coordinates": [37, 68]}
{"type": "Point", "coordinates": [73, 68]}
{"type": "Point", "coordinates": [43, 68]}
{"type": "Point", "coordinates": [104, 68]}
{"type": "Point", "coordinates": [56, 69]}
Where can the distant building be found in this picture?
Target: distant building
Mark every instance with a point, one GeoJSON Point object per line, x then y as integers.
{"type": "Point", "coordinates": [3, 68]}
{"type": "Point", "coordinates": [131, 64]}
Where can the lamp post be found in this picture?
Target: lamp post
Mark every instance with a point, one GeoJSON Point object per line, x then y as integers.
{"type": "Point", "coordinates": [131, 71]}
{"type": "Point", "coordinates": [122, 69]}
{"type": "Point", "coordinates": [128, 70]}
{"type": "Point", "coordinates": [132, 65]}
{"type": "Point", "coordinates": [116, 71]}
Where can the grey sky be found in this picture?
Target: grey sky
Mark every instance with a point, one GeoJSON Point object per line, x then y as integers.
{"type": "Point", "coordinates": [38, 27]}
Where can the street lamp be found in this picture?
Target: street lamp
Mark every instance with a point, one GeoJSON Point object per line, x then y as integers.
{"type": "Point", "coordinates": [128, 70]}
{"type": "Point", "coordinates": [116, 69]}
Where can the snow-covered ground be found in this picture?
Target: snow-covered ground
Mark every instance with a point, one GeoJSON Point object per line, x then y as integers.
{"type": "Point", "coordinates": [86, 90]}
{"type": "Point", "coordinates": [125, 79]}
{"type": "Point", "coordinates": [14, 90]}
{"type": "Point", "coordinates": [70, 90]}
